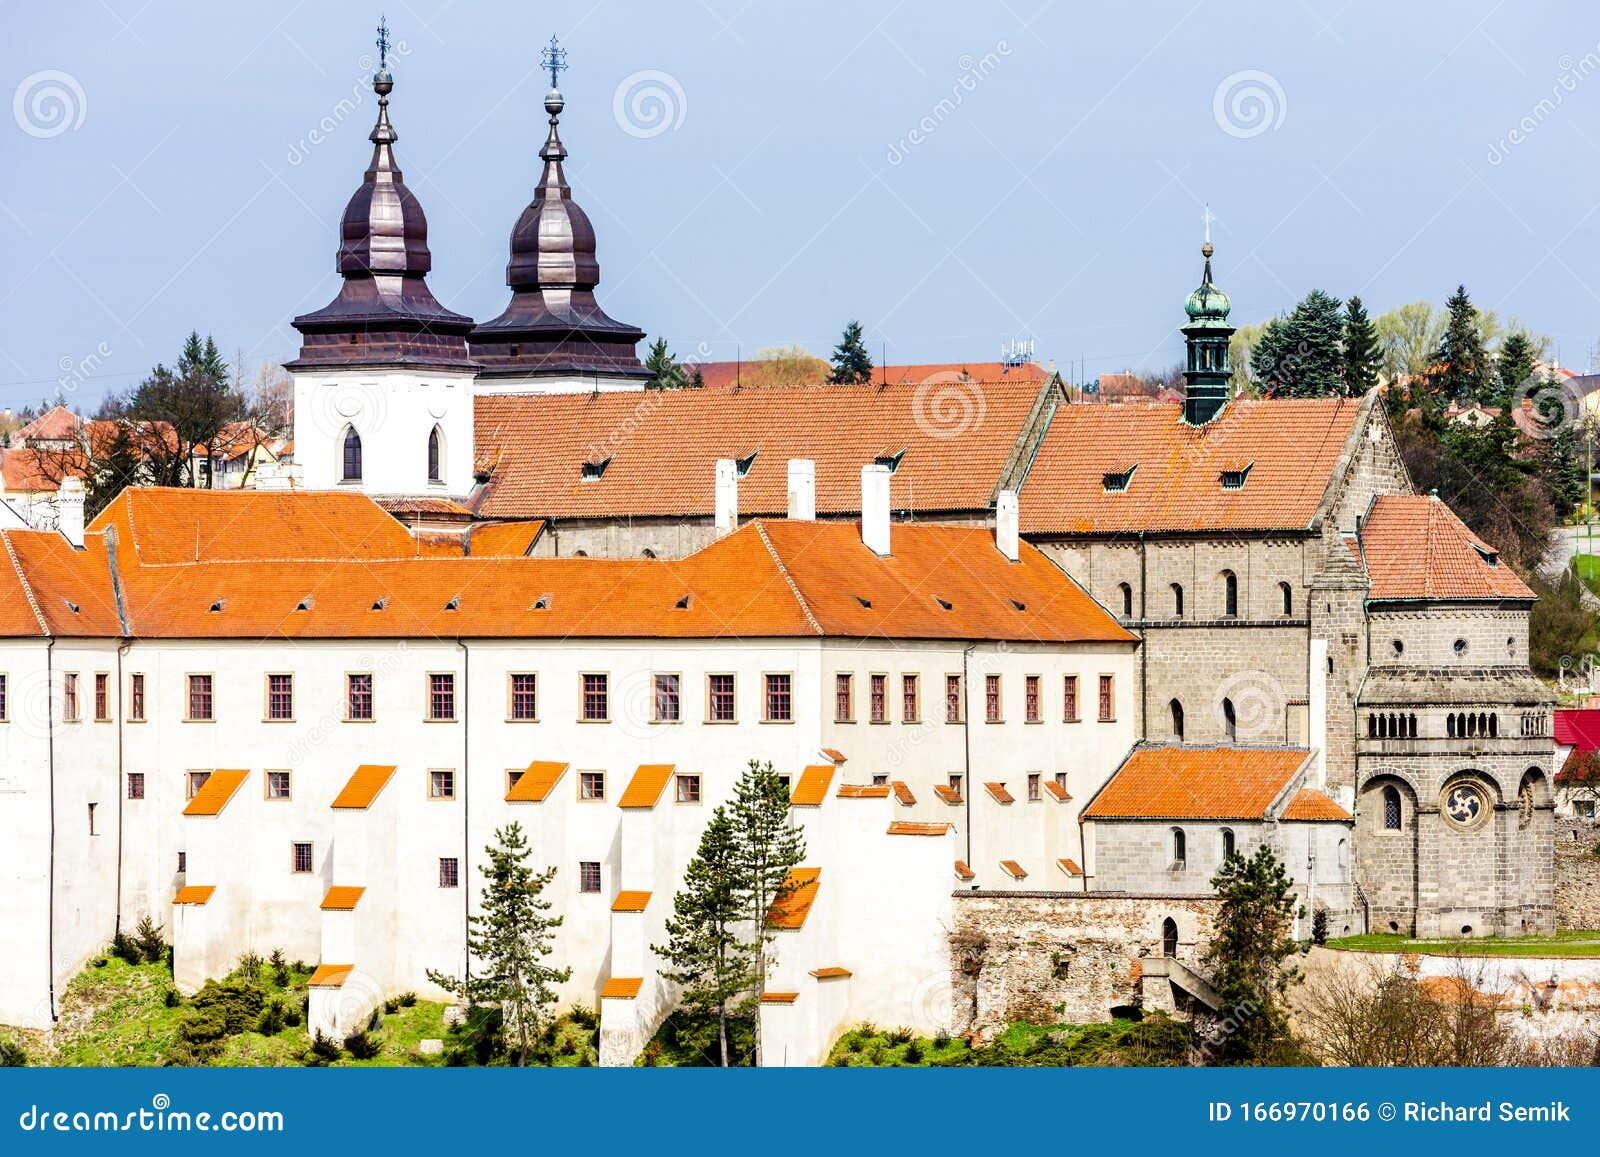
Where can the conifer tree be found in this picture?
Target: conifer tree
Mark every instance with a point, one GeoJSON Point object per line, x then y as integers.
{"type": "Point", "coordinates": [665, 372]}
{"type": "Point", "coordinates": [1300, 355]}
{"type": "Point", "coordinates": [767, 845]}
{"type": "Point", "coordinates": [852, 365]}
{"type": "Point", "coordinates": [1461, 371]}
{"type": "Point", "coordinates": [509, 940]}
{"type": "Point", "coordinates": [1563, 467]}
{"type": "Point", "coordinates": [1363, 356]}
{"type": "Point", "coordinates": [713, 962]}
{"type": "Point", "coordinates": [1252, 940]}
{"type": "Point", "coordinates": [1513, 366]}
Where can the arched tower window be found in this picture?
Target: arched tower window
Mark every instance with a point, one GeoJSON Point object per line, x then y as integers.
{"type": "Point", "coordinates": [435, 445]}
{"type": "Point", "coordinates": [1169, 937]}
{"type": "Point", "coordinates": [352, 455]}
{"type": "Point", "coordinates": [1230, 720]}
{"type": "Point", "coordinates": [1288, 598]}
{"type": "Point", "coordinates": [1177, 720]}
{"type": "Point", "coordinates": [1180, 847]}
{"type": "Point", "coordinates": [1227, 843]}
{"type": "Point", "coordinates": [1391, 809]}
{"type": "Point", "coordinates": [1127, 600]}
{"type": "Point", "coordinates": [1177, 600]}
{"type": "Point", "coordinates": [1230, 594]}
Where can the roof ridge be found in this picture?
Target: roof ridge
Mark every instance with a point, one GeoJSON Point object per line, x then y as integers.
{"type": "Point", "coordinates": [27, 587]}
{"type": "Point", "coordinates": [794, 587]}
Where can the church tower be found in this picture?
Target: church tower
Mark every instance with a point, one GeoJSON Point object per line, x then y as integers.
{"type": "Point", "coordinates": [553, 337]}
{"type": "Point", "coordinates": [383, 383]}
{"type": "Point", "coordinates": [1206, 370]}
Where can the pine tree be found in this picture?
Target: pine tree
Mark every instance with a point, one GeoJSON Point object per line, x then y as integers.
{"type": "Point", "coordinates": [1253, 938]}
{"type": "Point", "coordinates": [114, 464]}
{"type": "Point", "coordinates": [766, 847]}
{"type": "Point", "coordinates": [1461, 371]}
{"type": "Point", "coordinates": [852, 365]}
{"type": "Point", "coordinates": [509, 940]}
{"type": "Point", "coordinates": [665, 372]}
{"type": "Point", "coordinates": [1513, 366]}
{"type": "Point", "coordinates": [709, 958]}
{"type": "Point", "coordinates": [1563, 468]}
{"type": "Point", "coordinates": [1301, 355]}
{"type": "Point", "coordinates": [1363, 356]}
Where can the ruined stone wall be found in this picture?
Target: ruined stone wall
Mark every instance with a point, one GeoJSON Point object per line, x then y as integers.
{"type": "Point", "coordinates": [1062, 957]}
{"type": "Point", "coordinates": [1577, 874]}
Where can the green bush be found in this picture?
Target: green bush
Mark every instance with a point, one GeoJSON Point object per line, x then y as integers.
{"type": "Point", "coordinates": [148, 937]}
{"type": "Point", "coordinates": [203, 1025]}
{"type": "Point", "coordinates": [250, 965]}
{"type": "Point", "coordinates": [172, 998]}
{"type": "Point", "coordinates": [914, 1053]}
{"type": "Point", "coordinates": [406, 999]}
{"type": "Point", "coordinates": [238, 1003]}
{"type": "Point", "coordinates": [280, 968]}
{"type": "Point", "coordinates": [324, 1049]}
{"type": "Point", "coordinates": [12, 1055]}
{"type": "Point", "coordinates": [362, 1045]}
{"type": "Point", "coordinates": [899, 1036]}
{"type": "Point", "coordinates": [584, 1017]}
{"type": "Point", "coordinates": [126, 949]}
{"type": "Point", "coordinates": [391, 1006]}
{"type": "Point", "coordinates": [272, 1019]}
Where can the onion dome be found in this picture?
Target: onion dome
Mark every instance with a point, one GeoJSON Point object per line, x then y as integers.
{"type": "Point", "coordinates": [384, 314]}
{"type": "Point", "coordinates": [554, 325]}
{"type": "Point", "coordinates": [1207, 303]}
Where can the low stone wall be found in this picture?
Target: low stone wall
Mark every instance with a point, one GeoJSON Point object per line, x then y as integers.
{"type": "Point", "coordinates": [1043, 957]}
{"type": "Point", "coordinates": [1577, 873]}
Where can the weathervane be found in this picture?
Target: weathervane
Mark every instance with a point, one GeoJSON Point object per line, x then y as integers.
{"type": "Point", "coordinates": [554, 57]}
{"type": "Point", "coordinates": [383, 42]}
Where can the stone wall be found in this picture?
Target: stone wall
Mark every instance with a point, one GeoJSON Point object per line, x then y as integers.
{"type": "Point", "coordinates": [1045, 957]}
{"type": "Point", "coordinates": [1577, 874]}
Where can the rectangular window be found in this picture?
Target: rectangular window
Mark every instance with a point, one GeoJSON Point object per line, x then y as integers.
{"type": "Point", "coordinates": [200, 705]}
{"type": "Point", "coordinates": [277, 785]}
{"type": "Point", "coordinates": [358, 696]}
{"type": "Point", "coordinates": [955, 785]}
{"type": "Point", "coordinates": [668, 698]}
{"type": "Point", "coordinates": [135, 697]}
{"type": "Point", "coordinates": [196, 781]}
{"type": "Point", "coordinates": [879, 705]}
{"type": "Point", "coordinates": [719, 689]}
{"type": "Point", "coordinates": [1106, 703]}
{"type": "Point", "coordinates": [442, 696]}
{"type": "Point", "coordinates": [1069, 699]}
{"type": "Point", "coordinates": [596, 698]}
{"type": "Point", "coordinates": [302, 857]}
{"type": "Point", "coordinates": [952, 698]}
{"type": "Point", "coordinates": [136, 785]}
{"type": "Point", "coordinates": [780, 699]}
{"type": "Point", "coordinates": [880, 781]}
{"type": "Point", "coordinates": [1030, 698]}
{"type": "Point", "coordinates": [512, 777]}
{"type": "Point", "coordinates": [280, 697]}
{"type": "Point", "coordinates": [183, 862]}
{"type": "Point", "coordinates": [991, 698]}
{"type": "Point", "coordinates": [688, 789]}
{"type": "Point", "coordinates": [441, 784]}
{"type": "Point", "coordinates": [5, 698]}
{"type": "Point", "coordinates": [910, 709]}
{"type": "Point", "coordinates": [591, 785]}
{"type": "Point", "coordinates": [524, 697]}
{"type": "Point", "coordinates": [69, 697]}
{"type": "Point", "coordinates": [1033, 785]}
{"type": "Point", "coordinates": [449, 872]}
{"type": "Point", "coordinates": [102, 697]}
{"type": "Point", "coordinates": [91, 818]}
{"type": "Point", "coordinates": [1061, 780]}
{"type": "Point", "coordinates": [844, 708]}
{"type": "Point", "coordinates": [588, 875]}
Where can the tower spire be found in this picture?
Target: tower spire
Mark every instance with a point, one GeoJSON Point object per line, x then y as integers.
{"type": "Point", "coordinates": [1207, 372]}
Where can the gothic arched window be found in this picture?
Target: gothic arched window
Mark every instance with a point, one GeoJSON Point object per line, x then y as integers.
{"type": "Point", "coordinates": [1177, 600]}
{"type": "Point", "coordinates": [1230, 720]}
{"type": "Point", "coordinates": [434, 443]}
{"type": "Point", "coordinates": [352, 455]}
{"type": "Point", "coordinates": [1288, 598]}
{"type": "Point", "coordinates": [1391, 809]}
{"type": "Point", "coordinates": [1169, 937]}
{"type": "Point", "coordinates": [1177, 720]}
{"type": "Point", "coordinates": [1230, 594]}
{"type": "Point", "coordinates": [1227, 843]}
{"type": "Point", "coordinates": [1180, 847]}
{"type": "Point", "coordinates": [1127, 600]}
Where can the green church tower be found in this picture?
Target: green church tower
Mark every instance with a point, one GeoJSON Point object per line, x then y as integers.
{"type": "Point", "coordinates": [1207, 370]}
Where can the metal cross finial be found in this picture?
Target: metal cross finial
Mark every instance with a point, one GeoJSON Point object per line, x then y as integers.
{"type": "Point", "coordinates": [1206, 218]}
{"type": "Point", "coordinates": [383, 41]}
{"type": "Point", "coordinates": [554, 57]}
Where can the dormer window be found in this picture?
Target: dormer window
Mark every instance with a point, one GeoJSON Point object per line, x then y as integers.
{"type": "Point", "coordinates": [454, 604]}
{"type": "Point", "coordinates": [684, 603]}
{"type": "Point", "coordinates": [379, 604]}
{"type": "Point", "coordinates": [1116, 481]}
{"type": "Point", "coordinates": [892, 461]}
{"type": "Point", "coordinates": [1234, 479]}
{"type": "Point", "coordinates": [945, 604]}
{"type": "Point", "coordinates": [217, 606]}
{"type": "Point", "coordinates": [593, 470]}
{"type": "Point", "coordinates": [1489, 556]}
{"type": "Point", "coordinates": [542, 603]}
{"type": "Point", "coordinates": [743, 464]}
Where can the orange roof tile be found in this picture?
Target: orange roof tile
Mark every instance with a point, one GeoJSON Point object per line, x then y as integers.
{"type": "Point", "coordinates": [1070, 867]}
{"type": "Point", "coordinates": [813, 786]}
{"type": "Point", "coordinates": [630, 901]}
{"type": "Point", "coordinates": [1055, 789]}
{"type": "Point", "coordinates": [363, 785]}
{"type": "Point", "coordinates": [912, 828]}
{"type": "Point", "coordinates": [834, 754]}
{"type": "Point", "coordinates": [1162, 782]}
{"type": "Point", "coordinates": [644, 789]}
{"type": "Point", "coordinates": [832, 972]}
{"type": "Point", "coordinates": [793, 905]}
{"type": "Point", "coordinates": [56, 589]}
{"type": "Point", "coordinates": [998, 790]}
{"type": "Point", "coordinates": [903, 793]}
{"type": "Point", "coordinates": [342, 898]}
{"type": "Point", "coordinates": [537, 781]}
{"type": "Point", "coordinates": [1307, 804]}
{"type": "Point", "coordinates": [504, 539]}
{"type": "Point", "coordinates": [1014, 869]}
{"type": "Point", "coordinates": [622, 988]}
{"type": "Point", "coordinates": [1416, 548]}
{"type": "Point", "coordinates": [779, 997]}
{"type": "Point", "coordinates": [863, 791]}
{"type": "Point", "coordinates": [1292, 447]}
{"type": "Point", "coordinates": [948, 794]}
{"type": "Point", "coordinates": [963, 871]}
{"type": "Point", "coordinates": [331, 975]}
{"type": "Point", "coordinates": [214, 795]}
{"type": "Point", "coordinates": [717, 375]}
{"type": "Point", "coordinates": [194, 894]}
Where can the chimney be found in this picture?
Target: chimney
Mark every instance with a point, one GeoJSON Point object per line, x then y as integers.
{"type": "Point", "coordinates": [875, 508]}
{"type": "Point", "coordinates": [802, 489]}
{"type": "Point", "coordinates": [1005, 523]}
{"type": "Point", "coordinates": [69, 511]}
{"type": "Point", "coordinates": [727, 496]}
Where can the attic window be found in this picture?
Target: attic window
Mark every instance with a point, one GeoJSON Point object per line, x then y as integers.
{"type": "Point", "coordinates": [454, 604]}
{"type": "Point", "coordinates": [71, 606]}
{"type": "Point", "coordinates": [304, 604]}
{"type": "Point", "coordinates": [1019, 604]}
{"type": "Point", "coordinates": [542, 603]}
{"type": "Point", "coordinates": [218, 605]}
{"type": "Point", "coordinates": [744, 464]}
{"type": "Point", "coordinates": [864, 602]}
{"type": "Point", "coordinates": [1116, 481]}
{"type": "Point", "coordinates": [683, 603]}
{"type": "Point", "coordinates": [593, 470]}
{"type": "Point", "coordinates": [892, 461]}
{"type": "Point", "coordinates": [945, 603]}
{"type": "Point", "coordinates": [1489, 556]}
{"type": "Point", "coordinates": [381, 603]}
{"type": "Point", "coordinates": [1234, 479]}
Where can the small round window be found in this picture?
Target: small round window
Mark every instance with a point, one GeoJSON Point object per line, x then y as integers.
{"type": "Point", "coordinates": [1464, 805]}
{"type": "Point", "coordinates": [1460, 646]}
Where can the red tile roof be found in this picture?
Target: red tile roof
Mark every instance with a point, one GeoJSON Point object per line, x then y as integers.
{"type": "Point", "coordinates": [342, 899]}
{"type": "Point", "coordinates": [194, 894]}
{"type": "Point", "coordinates": [913, 828]}
{"type": "Point", "coordinates": [644, 789]}
{"type": "Point", "coordinates": [779, 997]}
{"type": "Point", "coordinates": [948, 794]}
{"type": "Point", "coordinates": [1070, 867]}
{"type": "Point", "coordinates": [536, 783]}
{"type": "Point", "coordinates": [1307, 804]}
{"type": "Point", "coordinates": [363, 786]}
{"type": "Point", "coordinates": [630, 901]}
{"type": "Point", "coordinates": [1581, 766]}
{"type": "Point", "coordinates": [791, 908]}
{"type": "Point", "coordinates": [1001, 795]}
{"type": "Point", "coordinates": [963, 871]}
{"type": "Point", "coordinates": [863, 791]}
{"type": "Point", "coordinates": [903, 793]}
{"type": "Point", "coordinates": [1161, 782]}
{"type": "Point", "coordinates": [1416, 548]}
{"type": "Point", "coordinates": [832, 972]}
{"type": "Point", "coordinates": [1055, 789]}
{"type": "Point", "coordinates": [1578, 727]}
{"type": "Point", "coordinates": [330, 975]}
{"type": "Point", "coordinates": [215, 793]}
{"type": "Point", "coordinates": [1013, 869]}
{"type": "Point", "coordinates": [813, 786]}
{"type": "Point", "coordinates": [1291, 447]}
{"type": "Point", "coordinates": [622, 987]}
{"type": "Point", "coordinates": [720, 375]}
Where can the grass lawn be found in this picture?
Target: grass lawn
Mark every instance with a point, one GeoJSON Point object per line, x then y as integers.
{"type": "Point", "coordinates": [1156, 1040]}
{"type": "Point", "coordinates": [1576, 943]}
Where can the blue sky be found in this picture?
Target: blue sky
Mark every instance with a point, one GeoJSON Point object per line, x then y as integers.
{"type": "Point", "coordinates": [1055, 193]}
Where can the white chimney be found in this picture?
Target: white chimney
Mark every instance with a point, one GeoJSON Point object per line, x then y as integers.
{"type": "Point", "coordinates": [727, 496]}
{"type": "Point", "coordinates": [69, 511]}
{"type": "Point", "coordinates": [875, 508]}
{"type": "Point", "coordinates": [802, 489]}
{"type": "Point", "coordinates": [1005, 523]}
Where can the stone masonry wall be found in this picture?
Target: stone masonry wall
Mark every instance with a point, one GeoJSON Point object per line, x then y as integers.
{"type": "Point", "coordinates": [1577, 874]}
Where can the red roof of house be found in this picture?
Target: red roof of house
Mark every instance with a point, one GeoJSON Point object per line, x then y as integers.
{"type": "Point", "coordinates": [717, 375]}
{"type": "Point", "coordinates": [1416, 548]}
{"type": "Point", "coordinates": [1578, 727]}
{"type": "Point", "coordinates": [1222, 783]}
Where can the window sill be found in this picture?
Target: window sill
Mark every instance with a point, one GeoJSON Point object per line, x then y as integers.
{"type": "Point", "coordinates": [517, 719]}
{"type": "Point", "coordinates": [199, 721]}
